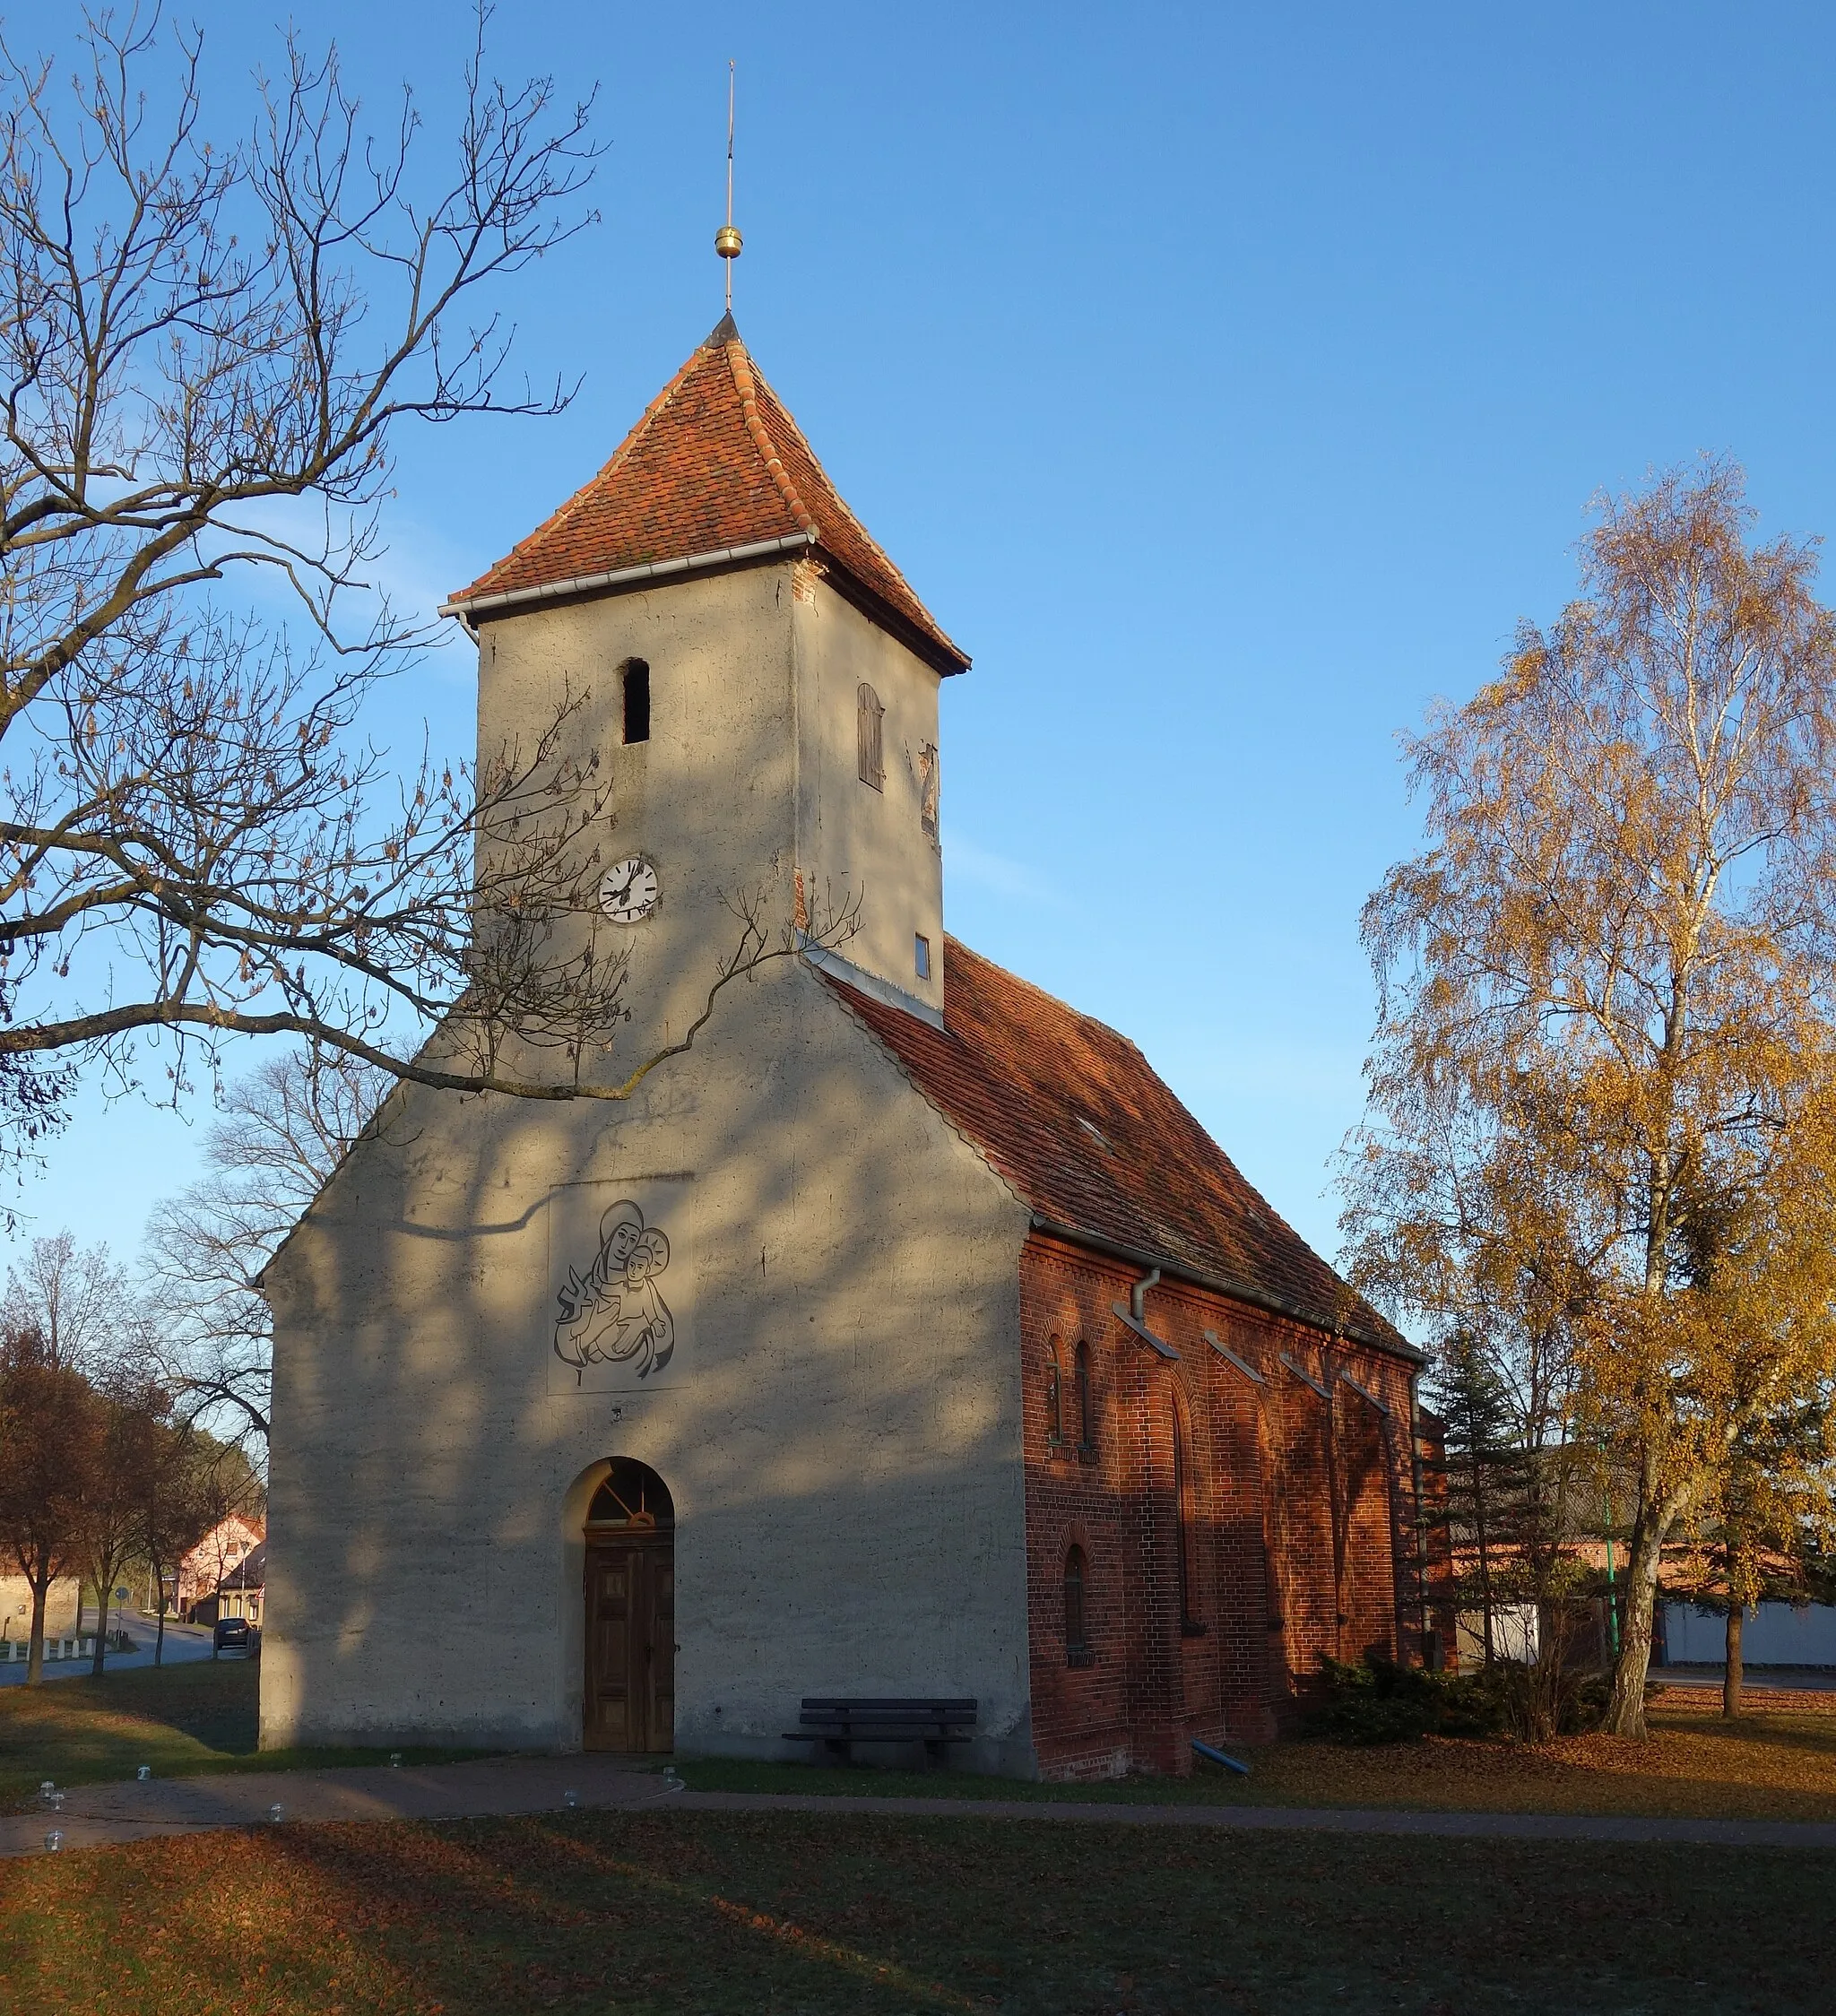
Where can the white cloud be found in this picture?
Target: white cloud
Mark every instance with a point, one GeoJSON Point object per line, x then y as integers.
{"type": "Point", "coordinates": [1003, 876]}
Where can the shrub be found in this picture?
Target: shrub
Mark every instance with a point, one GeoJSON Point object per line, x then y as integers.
{"type": "Point", "coordinates": [1376, 1701]}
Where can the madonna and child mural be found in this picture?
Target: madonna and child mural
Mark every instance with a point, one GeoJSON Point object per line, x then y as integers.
{"type": "Point", "coordinates": [620, 1284]}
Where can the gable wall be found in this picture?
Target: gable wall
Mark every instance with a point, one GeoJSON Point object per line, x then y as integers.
{"type": "Point", "coordinates": [842, 1438]}
{"type": "Point", "coordinates": [1295, 1526]}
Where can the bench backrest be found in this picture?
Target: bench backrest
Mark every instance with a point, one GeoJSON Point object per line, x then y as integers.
{"type": "Point", "coordinates": [884, 1709]}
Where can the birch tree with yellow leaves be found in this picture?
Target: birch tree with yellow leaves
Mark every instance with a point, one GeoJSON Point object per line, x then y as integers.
{"type": "Point", "coordinates": [1602, 1115]}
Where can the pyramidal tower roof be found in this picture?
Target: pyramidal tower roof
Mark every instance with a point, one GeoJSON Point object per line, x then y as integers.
{"type": "Point", "coordinates": [715, 474]}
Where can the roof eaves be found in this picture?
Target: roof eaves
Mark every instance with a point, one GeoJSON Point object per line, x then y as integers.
{"type": "Point", "coordinates": [934, 646]}
{"type": "Point", "coordinates": [463, 606]}
{"type": "Point", "coordinates": [1222, 1284]}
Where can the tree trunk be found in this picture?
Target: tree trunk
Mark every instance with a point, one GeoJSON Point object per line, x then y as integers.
{"type": "Point", "coordinates": [34, 1650]}
{"type": "Point", "coordinates": [1732, 1679]}
{"type": "Point", "coordinates": [103, 1591]}
{"type": "Point", "coordinates": [1625, 1711]}
{"type": "Point", "coordinates": [160, 1627]}
{"type": "Point", "coordinates": [1484, 1560]}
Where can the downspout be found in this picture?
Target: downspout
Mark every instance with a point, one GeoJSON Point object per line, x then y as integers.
{"type": "Point", "coordinates": [1176, 1678]}
{"type": "Point", "coordinates": [1421, 1521]}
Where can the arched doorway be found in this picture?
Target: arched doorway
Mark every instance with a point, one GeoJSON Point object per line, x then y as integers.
{"type": "Point", "coordinates": [631, 1536]}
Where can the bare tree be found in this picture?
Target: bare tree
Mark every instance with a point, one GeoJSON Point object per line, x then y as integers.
{"type": "Point", "coordinates": [205, 349]}
{"type": "Point", "coordinates": [285, 1127]}
{"type": "Point", "coordinates": [73, 1298]}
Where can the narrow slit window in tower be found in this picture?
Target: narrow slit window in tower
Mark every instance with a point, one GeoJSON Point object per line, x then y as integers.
{"type": "Point", "coordinates": [637, 701]}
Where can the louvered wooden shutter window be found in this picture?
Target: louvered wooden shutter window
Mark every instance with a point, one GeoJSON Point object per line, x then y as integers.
{"type": "Point", "coordinates": [867, 716]}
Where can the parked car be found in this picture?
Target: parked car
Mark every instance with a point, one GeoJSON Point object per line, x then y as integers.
{"type": "Point", "coordinates": [234, 1634]}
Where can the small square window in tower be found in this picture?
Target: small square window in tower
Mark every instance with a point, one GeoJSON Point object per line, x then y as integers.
{"type": "Point", "coordinates": [921, 954]}
{"type": "Point", "coordinates": [636, 686]}
{"type": "Point", "coordinates": [868, 715]}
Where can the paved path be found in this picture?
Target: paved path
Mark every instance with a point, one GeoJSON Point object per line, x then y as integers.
{"type": "Point", "coordinates": [1757, 1680]}
{"type": "Point", "coordinates": [97, 1814]}
{"type": "Point", "coordinates": [130, 1811]}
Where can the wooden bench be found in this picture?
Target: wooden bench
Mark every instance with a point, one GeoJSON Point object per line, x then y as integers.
{"type": "Point", "coordinates": [842, 1722]}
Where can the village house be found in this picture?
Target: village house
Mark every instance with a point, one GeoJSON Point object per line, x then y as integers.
{"type": "Point", "coordinates": [201, 1572]}
{"type": "Point", "coordinates": [63, 1617]}
{"type": "Point", "coordinates": [240, 1592]}
{"type": "Point", "coordinates": [906, 1336]}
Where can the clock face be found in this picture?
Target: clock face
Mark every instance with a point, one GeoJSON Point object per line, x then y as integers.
{"type": "Point", "coordinates": [629, 890]}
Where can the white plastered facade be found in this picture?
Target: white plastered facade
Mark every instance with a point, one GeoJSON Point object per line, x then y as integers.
{"type": "Point", "coordinates": [839, 1423]}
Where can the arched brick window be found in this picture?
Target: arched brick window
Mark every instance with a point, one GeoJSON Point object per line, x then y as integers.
{"type": "Point", "coordinates": [1086, 1413]}
{"type": "Point", "coordinates": [1076, 1627]}
{"type": "Point", "coordinates": [1054, 1397]}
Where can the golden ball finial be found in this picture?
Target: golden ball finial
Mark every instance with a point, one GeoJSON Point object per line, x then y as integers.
{"type": "Point", "coordinates": [727, 241]}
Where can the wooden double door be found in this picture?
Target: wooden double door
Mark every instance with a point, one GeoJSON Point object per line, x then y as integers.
{"type": "Point", "coordinates": [630, 1642]}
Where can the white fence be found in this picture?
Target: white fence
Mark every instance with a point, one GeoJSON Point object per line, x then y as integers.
{"type": "Point", "coordinates": [1777, 1634]}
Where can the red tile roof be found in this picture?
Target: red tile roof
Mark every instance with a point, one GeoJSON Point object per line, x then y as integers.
{"type": "Point", "coordinates": [715, 463]}
{"type": "Point", "coordinates": [1075, 1119]}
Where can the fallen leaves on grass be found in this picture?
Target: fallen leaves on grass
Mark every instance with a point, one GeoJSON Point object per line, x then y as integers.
{"type": "Point", "coordinates": [800, 1915]}
{"type": "Point", "coordinates": [1767, 1768]}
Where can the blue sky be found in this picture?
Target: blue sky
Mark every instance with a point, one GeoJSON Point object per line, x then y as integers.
{"type": "Point", "coordinates": [1228, 380]}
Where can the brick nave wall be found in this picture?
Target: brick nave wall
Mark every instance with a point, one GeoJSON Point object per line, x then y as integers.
{"type": "Point", "coordinates": [1301, 1530]}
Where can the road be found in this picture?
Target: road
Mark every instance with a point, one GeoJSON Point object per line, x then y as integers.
{"type": "Point", "coordinates": [183, 1642]}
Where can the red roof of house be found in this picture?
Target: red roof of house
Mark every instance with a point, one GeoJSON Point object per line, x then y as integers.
{"type": "Point", "coordinates": [1075, 1119]}
{"type": "Point", "coordinates": [715, 462]}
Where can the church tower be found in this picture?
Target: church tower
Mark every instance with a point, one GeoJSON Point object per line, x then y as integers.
{"type": "Point", "coordinates": [904, 1340]}
{"type": "Point", "coordinates": [757, 676]}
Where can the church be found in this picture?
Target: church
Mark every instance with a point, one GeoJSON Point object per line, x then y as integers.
{"type": "Point", "coordinates": [905, 1337]}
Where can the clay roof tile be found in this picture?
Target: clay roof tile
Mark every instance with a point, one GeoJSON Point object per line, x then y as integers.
{"type": "Point", "coordinates": [1075, 1119]}
{"type": "Point", "coordinates": [715, 461]}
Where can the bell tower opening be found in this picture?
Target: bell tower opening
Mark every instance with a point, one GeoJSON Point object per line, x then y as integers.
{"type": "Point", "coordinates": [636, 700]}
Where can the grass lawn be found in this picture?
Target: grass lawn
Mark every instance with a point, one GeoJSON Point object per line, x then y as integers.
{"type": "Point", "coordinates": [181, 1719]}
{"type": "Point", "coordinates": [1762, 1766]}
{"type": "Point", "coordinates": [750, 1915]}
